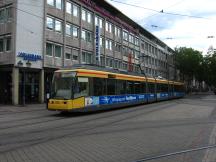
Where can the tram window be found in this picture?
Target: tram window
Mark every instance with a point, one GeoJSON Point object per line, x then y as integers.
{"type": "Point", "coordinates": [164, 87]}
{"type": "Point", "coordinates": [137, 87]}
{"type": "Point", "coordinates": [151, 87]}
{"type": "Point", "coordinates": [130, 87]}
{"type": "Point", "coordinates": [121, 87]}
{"type": "Point", "coordinates": [158, 87]}
{"type": "Point", "coordinates": [143, 87]}
{"type": "Point", "coordinates": [82, 87]}
{"type": "Point", "coordinates": [99, 87]}
{"type": "Point", "coordinates": [171, 88]}
{"type": "Point", "coordinates": [111, 86]}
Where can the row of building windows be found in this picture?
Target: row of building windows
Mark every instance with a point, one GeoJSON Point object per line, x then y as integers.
{"type": "Point", "coordinates": [86, 15]}
{"type": "Point", "coordinates": [5, 43]}
{"type": "Point", "coordinates": [56, 3]}
{"type": "Point", "coordinates": [6, 14]}
{"type": "Point", "coordinates": [72, 30]}
{"type": "Point", "coordinates": [72, 9]}
{"type": "Point", "coordinates": [86, 57]}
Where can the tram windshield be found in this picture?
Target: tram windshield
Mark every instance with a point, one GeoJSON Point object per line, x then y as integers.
{"type": "Point", "coordinates": [62, 85]}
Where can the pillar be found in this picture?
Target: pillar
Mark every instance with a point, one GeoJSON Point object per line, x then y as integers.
{"type": "Point", "coordinates": [41, 86]}
{"type": "Point", "coordinates": [15, 88]}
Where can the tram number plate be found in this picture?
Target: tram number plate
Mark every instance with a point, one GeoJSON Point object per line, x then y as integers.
{"type": "Point", "coordinates": [57, 102]}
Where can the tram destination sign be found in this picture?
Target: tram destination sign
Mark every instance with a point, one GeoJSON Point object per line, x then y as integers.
{"type": "Point", "coordinates": [29, 56]}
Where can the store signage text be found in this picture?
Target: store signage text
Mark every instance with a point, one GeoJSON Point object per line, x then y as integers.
{"type": "Point", "coordinates": [97, 43]}
{"type": "Point", "coordinates": [29, 56]}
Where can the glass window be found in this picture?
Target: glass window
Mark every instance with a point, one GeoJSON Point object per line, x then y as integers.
{"type": "Point", "coordinates": [50, 23]}
{"type": "Point", "coordinates": [8, 13]}
{"type": "Point", "coordinates": [99, 86]}
{"type": "Point", "coordinates": [125, 35]}
{"type": "Point", "coordinates": [110, 45]}
{"type": "Point", "coordinates": [83, 57]}
{"type": "Point", "coordinates": [96, 20]}
{"type": "Point", "coordinates": [111, 86]}
{"type": "Point", "coordinates": [107, 44]}
{"type": "Point", "coordinates": [69, 7]}
{"type": "Point", "coordinates": [83, 36]}
{"type": "Point", "coordinates": [83, 15]}
{"type": "Point", "coordinates": [100, 23]}
{"type": "Point", "coordinates": [82, 87]}
{"type": "Point", "coordinates": [101, 42]}
{"type": "Point", "coordinates": [68, 29]}
{"type": "Point", "coordinates": [88, 58]}
{"type": "Point", "coordinates": [75, 32]}
{"type": "Point", "coordinates": [75, 54]}
{"type": "Point", "coordinates": [1, 45]}
{"type": "Point", "coordinates": [50, 2]}
{"type": "Point", "coordinates": [59, 4]}
{"type": "Point", "coordinates": [2, 15]}
{"type": "Point", "coordinates": [89, 36]}
{"type": "Point", "coordinates": [118, 47]}
{"type": "Point", "coordinates": [89, 17]}
{"type": "Point", "coordinates": [75, 57]}
{"type": "Point", "coordinates": [58, 51]}
{"type": "Point", "coordinates": [75, 10]}
{"type": "Point", "coordinates": [117, 32]}
{"type": "Point", "coordinates": [49, 49]}
{"type": "Point", "coordinates": [68, 56]}
{"type": "Point", "coordinates": [110, 28]}
{"type": "Point", "coordinates": [131, 39]}
{"type": "Point", "coordinates": [58, 26]}
{"type": "Point", "coordinates": [8, 43]}
{"type": "Point", "coordinates": [107, 26]}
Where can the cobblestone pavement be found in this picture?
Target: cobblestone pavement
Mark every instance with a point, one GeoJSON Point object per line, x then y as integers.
{"type": "Point", "coordinates": [33, 134]}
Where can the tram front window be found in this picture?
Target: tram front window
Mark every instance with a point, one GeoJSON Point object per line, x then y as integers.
{"type": "Point", "coordinates": [62, 85]}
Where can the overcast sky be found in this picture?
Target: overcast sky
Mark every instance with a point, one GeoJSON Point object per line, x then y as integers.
{"type": "Point", "coordinates": [175, 31]}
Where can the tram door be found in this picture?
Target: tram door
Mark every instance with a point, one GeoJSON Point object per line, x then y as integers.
{"type": "Point", "coordinates": [31, 88]}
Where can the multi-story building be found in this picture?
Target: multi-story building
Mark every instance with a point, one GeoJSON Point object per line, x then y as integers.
{"type": "Point", "coordinates": [38, 37]}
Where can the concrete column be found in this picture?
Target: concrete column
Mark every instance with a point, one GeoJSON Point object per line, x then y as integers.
{"type": "Point", "coordinates": [41, 87]}
{"type": "Point", "coordinates": [15, 88]}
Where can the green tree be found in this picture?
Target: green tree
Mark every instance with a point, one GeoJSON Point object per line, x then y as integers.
{"type": "Point", "coordinates": [210, 69]}
{"type": "Point", "coordinates": [189, 62]}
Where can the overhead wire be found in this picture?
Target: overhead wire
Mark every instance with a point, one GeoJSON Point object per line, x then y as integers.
{"type": "Point", "coordinates": [161, 11]}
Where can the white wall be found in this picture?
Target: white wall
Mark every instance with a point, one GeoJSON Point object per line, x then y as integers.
{"type": "Point", "coordinates": [29, 30]}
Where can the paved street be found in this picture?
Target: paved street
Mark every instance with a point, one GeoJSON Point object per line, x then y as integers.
{"type": "Point", "coordinates": [33, 134]}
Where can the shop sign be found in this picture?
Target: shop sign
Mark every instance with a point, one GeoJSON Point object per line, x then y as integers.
{"type": "Point", "coordinates": [29, 56]}
{"type": "Point", "coordinates": [97, 43]}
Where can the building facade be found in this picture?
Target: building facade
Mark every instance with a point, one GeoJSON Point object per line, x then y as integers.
{"type": "Point", "coordinates": [39, 37]}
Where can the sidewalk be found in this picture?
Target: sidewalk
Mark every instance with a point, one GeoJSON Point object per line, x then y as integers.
{"type": "Point", "coordinates": [20, 108]}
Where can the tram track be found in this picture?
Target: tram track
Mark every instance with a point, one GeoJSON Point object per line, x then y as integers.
{"type": "Point", "coordinates": [68, 117]}
{"type": "Point", "coordinates": [73, 129]}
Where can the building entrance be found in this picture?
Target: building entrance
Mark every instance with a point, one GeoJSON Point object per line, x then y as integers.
{"type": "Point", "coordinates": [28, 87]}
{"type": "Point", "coordinates": [5, 87]}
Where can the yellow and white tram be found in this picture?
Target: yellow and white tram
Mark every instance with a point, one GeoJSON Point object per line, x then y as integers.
{"type": "Point", "coordinates": [86, 88]}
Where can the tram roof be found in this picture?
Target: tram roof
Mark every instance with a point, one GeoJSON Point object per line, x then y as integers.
{"type": "Point", "coordinates": [103, 72]}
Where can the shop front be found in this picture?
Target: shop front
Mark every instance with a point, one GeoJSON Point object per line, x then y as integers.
{"type": "Point", "coordinates": [29, 87]}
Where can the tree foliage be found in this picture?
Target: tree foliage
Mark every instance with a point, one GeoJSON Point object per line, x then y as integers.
{"type": "Point", "coordinates": [192, 63]}
{"type": "Point", "coordinates": [188, 61]}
